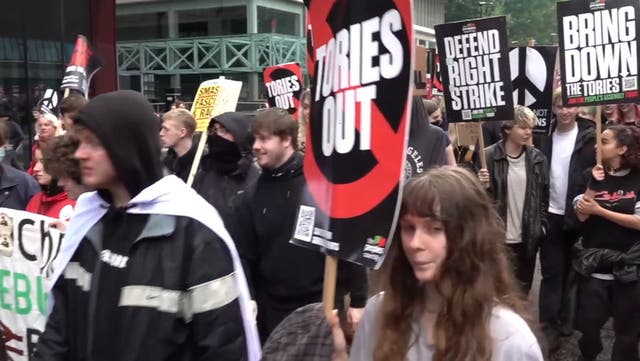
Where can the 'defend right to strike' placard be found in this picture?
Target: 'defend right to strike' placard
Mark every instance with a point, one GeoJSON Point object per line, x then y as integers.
{"type": "Point", "coordinates": [599, 51]}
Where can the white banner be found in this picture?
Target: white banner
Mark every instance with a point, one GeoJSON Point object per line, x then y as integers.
{"type": "Point", "coordinates": [27, 248]}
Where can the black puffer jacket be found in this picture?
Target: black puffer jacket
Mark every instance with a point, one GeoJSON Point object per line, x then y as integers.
{"type": "Point", "coordinates": [625, 265]}
{"type": "Point", "coordinates": [228, 169]}
{"type": "Point", "coordinates": [534, 223]}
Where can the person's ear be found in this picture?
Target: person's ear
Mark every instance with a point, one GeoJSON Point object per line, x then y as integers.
{"type": "Point", "coordinates": [286, 141]}
{"type": "Point", "coordinates": [623, 149]}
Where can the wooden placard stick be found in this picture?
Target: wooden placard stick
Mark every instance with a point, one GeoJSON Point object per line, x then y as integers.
{"type": "Point", "coordinates": [598, 122]}
{"type": "Point", "coordinates": [329, 286]}
{"type": "Point", "coordinates": [483, 158]}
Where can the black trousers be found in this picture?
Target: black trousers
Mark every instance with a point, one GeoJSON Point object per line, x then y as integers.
{"type": "Point", "coordinates": [555, 263]}
{"type": "Point", "coordinates": [597, 301]}
{"type": "Point", "coordinates": [523, 266]}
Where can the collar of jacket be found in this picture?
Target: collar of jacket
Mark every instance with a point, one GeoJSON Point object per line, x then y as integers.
{"type": "Point", "coordinates": [158, 225]}
{"type": "Point", "coordinates": [500, 153]}
{"type": "Point", "coordinates": [9, 177]}
{"type": "Point", "coordinates": [290, 168]}
{"type": "Point", "coordinates": [169, 196]}
{"type": "Point", "coordinates": [586, 130]}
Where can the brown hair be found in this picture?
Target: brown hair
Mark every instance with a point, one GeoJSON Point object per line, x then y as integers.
{"type": "Point", "coordinates": [72, 104]}
{"type": "Point", "coordinates": [276, 121]}
{"type": "Point", "coordinates": [629, 136]}
{"type": "Point", "coordinates": [430, 106]}
{"type": "Point", "coordinates": [475, 276]}
{"type": "Point", "coordinates": [184, 117]}
{"type": "Point", "coordinates": [59, 160]}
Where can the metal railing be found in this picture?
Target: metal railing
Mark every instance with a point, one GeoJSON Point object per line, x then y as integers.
{"type": "Point", "coordinates": [235, 53]}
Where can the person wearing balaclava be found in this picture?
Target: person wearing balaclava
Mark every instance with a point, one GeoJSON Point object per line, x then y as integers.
{"type": "Point", "coordinates": [146, 270]}
{"type": "Point", "coordinates": [228, 169]}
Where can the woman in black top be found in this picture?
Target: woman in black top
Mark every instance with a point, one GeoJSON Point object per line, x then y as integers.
{"type": "Point", "coordinates": [609, 255]}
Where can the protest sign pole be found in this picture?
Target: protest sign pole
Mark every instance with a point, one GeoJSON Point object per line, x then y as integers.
{"type": "Point", "coordinates": [213, 98]}
{"type": "Point", "coordinates": [196, 159]}
{"type": "Point", "coordinates": [329, 287]}
{"type": "Point", "coordinates": [483, 158]}
{"type": "Point", "coordinates": [598, 122]}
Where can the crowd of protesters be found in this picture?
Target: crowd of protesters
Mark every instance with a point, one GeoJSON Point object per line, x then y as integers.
{"type": "Point", "coordinates": [162, 271]}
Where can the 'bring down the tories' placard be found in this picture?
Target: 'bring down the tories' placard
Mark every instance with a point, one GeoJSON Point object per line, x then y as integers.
{"type": "Point", "coordinates": [599, 51]}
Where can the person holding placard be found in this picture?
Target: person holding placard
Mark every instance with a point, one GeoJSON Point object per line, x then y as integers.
{"type": "Point", "coordinates": [228, 169]}
{"type": "Point", "coordinates": [517, 178]}
{"type": "Point", "coordinates": [570, 150]}
{"type": "Point", "coordinates": [609, 251]}
{"type": "Point", "coordinates": [283, 276]}
{"type": "Point", "coordinates": [449, 292]}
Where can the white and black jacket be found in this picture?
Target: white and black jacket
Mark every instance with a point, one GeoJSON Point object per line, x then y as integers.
{"type": "Point", "coordinates": [186, 296]}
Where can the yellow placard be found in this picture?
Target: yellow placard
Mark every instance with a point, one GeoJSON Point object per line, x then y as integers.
{"type": "Point", "coordinates": [214, 97]}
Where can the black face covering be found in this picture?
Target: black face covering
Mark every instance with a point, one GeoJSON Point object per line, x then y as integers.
{"type": "Point", "coordinates": [224, 154]}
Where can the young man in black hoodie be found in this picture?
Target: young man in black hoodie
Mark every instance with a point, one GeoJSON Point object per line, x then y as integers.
{"type": "Point", "coordinates": [228, 169]}
{"type": "Point", "coordinates": [284, 277]}
{"type": "Point", "coordinates": [153, 273]}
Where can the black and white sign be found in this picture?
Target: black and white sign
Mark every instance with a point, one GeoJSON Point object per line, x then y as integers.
{"type": "Point", "coordinates": [361, 67]}
{"type": "Point", "coordinates": [475, 69]}
{"type": "Point", "coordinates": [49, 102]}
{"type": "Point", "coordinates": [532, 81]}
{"type": "Point", "coordinates": [599, 51]}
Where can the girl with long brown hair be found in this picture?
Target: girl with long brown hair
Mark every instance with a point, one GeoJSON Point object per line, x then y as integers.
{"type": "Point", "coordinates": [449, 294]}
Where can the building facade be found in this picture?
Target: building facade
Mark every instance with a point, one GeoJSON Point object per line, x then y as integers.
{"type": "Point", "coordinates": [164, 45]}
{"type": "Point", "coordinates": [37, 38]}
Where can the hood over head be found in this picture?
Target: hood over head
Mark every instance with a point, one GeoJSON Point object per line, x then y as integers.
{"type": "Point", "coordinates": [238, 124]}
{"type": "Point", "coordinates": [128, 128]}
{"type": "Point", "coordinates": [227, 157]}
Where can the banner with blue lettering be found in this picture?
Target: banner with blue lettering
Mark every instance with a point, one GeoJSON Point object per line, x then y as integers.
{"type": "Point", "coordinates": [27, 248]}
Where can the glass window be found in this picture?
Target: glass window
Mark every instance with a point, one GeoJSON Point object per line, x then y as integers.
{"type": "Point", "coordinates": [230, 20]}
{"type": "Point", "coordinates": [276, 21]}
{"type": "Point", "coordinates": [36, 41]}
{"type": "Point", "coordinates": [142, 26]}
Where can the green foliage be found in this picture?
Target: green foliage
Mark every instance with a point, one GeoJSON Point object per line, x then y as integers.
{"type": "Point", "coordinates": [526, 19]}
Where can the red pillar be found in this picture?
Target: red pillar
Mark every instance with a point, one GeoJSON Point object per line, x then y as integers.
{"type": "Point", "coordinates": [103, 39]}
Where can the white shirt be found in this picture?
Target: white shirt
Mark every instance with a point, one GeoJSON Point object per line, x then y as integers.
{"type": "Point", "coordinates": [563, 144]}
{"type": "Point", "coordinates": [512, 337]}
{"type": "Point", "coordinates": [516, 189]}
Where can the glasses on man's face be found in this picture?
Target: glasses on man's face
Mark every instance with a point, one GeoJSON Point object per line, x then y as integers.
{"type": "Point", "coordinates": [219, 130]}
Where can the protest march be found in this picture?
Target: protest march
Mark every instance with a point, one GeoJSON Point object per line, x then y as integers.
{"type": "Point", "coordinates": [469, 197]}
